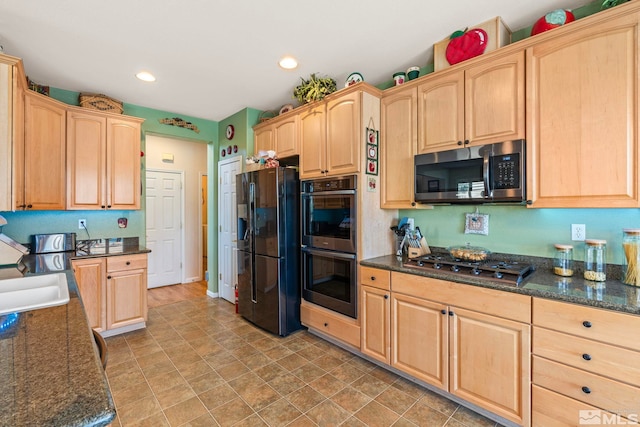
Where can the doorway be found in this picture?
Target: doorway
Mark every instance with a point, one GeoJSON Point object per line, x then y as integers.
{"type": "Point", "coordinates": [164, 235]}
{"type": "Point", "coordinates": [228, 228]}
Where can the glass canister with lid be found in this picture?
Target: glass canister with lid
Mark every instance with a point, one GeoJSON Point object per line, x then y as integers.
{"type": "Point", "coordinates": [595, 263]}
{"type": "Point", "coordinates": [631, 261]}
{"type": "Point", "coordinates": [563, 260]}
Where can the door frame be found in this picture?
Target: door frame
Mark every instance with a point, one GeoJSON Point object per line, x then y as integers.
{"type": "Point", "coordinates": [222, 163]}
{"type": "Point", "coordinates": [182, 213]}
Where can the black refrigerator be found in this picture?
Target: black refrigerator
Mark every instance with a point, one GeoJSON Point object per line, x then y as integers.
{"type": "Point", "coordinates": [269, 248]}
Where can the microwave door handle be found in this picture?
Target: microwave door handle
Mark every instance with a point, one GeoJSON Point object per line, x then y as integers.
{"type": "Point", "coordinates": [488, 191]}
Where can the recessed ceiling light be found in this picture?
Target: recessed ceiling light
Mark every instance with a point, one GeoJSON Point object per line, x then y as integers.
{"type": "Point", "coordinates": [288, 63]}
{"type": "Point", "coordinates": [146, 76]}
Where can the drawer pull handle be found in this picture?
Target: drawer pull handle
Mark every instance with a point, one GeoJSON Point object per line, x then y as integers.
{"type": "Point", "coordinates": [586, 356]}
{"type": "Point", "coordinates": [373, 278]}
{"type": "Point", "coordinates": [586, 324]}
{"type": "Point", "coordinates": [586, 390]}
{"type": "Point", "coordinates": [326, 324]}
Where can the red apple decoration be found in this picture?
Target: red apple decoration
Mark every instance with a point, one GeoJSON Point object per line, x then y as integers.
{"type": "Point", "coordinates": [553, 19]}
{"type": "Point", "coordinates": [464, 45]}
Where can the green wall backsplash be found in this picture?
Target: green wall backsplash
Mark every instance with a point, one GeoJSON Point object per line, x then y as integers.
{"type": "Point", "coordinates": [101, 224]}
{"type": "Point", "coordinates": [519, 230]}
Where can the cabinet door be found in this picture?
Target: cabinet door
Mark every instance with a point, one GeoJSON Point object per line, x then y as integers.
{"type": "Point", "coordinates": [419, 339]}
{"type": "Point", "coordinates": [286, 137]}
{"type": "Point", "coordinates": [397, 149]}
{"type": "Point", "coordinates": [123, 164]}
{"type": "Point", "coordinates": [44, 162]}
{"type": "Point", "coordinates": [441, 113]}
{"type": "Point", "coordinates": [490, 363]}
{"type": "Point", "coordinates": [6, 136]}
{"type": "Point", "coordinates": [90, 277]}
{"type": "Point", "coordinates": [312, 142]}
{"type": "Point", "coordinates": [582, 117]}
{"type": "Point", "coordinates": [126, 298]}
{"type": "Point", "coordinates": [263, 140]}
{"type": "Point", "coordinates": [343, 134]}
{"type": "Point", "coordinates": [494, 100]}
{"type": "Point", "coordinates": [86, 163]}
{"type": "Point", "coordinates": [375, 317]}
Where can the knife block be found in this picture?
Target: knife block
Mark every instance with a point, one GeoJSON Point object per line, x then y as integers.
{"type": "Point", "coordinates": [422, 250]}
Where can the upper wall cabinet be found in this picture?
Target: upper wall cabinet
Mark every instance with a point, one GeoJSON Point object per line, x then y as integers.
{"type": "Point", "coordinates": [103, 161]}
{"type": "Point", "coordinates": [480, 104]}
{"type": "Point", "coordinates": [44, 154]}
{"type": "Point", "coordinates": [582, 116]}
{"type": "Point", "coordinates": [11, 126]}
{"type": "Point", "coordinates": [279, 134]}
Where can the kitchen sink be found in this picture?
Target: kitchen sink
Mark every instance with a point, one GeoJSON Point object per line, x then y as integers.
{"type": "Point", "coordinates": [33, 292]}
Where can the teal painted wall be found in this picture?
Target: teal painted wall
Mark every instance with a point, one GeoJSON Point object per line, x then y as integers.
{"type": "Point", "coordinates": [526, 231]}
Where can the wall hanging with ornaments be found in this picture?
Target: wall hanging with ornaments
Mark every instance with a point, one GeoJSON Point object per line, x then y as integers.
{"type": "Point", "coordinates": [177, 121]}
{"type": "Point", "coordinates": [230, 149]}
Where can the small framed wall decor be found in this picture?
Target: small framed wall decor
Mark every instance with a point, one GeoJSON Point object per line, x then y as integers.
{"type": "Point", "coordinates": [372, 136]}
{"type": "Point", "coordinates": [476, 223]}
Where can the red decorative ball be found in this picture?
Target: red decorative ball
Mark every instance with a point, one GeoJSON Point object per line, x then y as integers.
{"type": "Point", "coordinates": [552, 20]}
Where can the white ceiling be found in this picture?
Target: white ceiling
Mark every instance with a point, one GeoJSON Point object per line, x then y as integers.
{"type": "Point", "coordinates": [212, 58]}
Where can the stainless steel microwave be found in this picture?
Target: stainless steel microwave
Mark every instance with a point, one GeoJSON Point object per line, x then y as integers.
{"type": "Point", "coordinates": [478, 174]}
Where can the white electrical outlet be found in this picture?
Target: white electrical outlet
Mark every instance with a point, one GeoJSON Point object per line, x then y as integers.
{"type": "Point", "coordinates": [578, 232]}
{"type": "Point", "coordinates": [82, 224]}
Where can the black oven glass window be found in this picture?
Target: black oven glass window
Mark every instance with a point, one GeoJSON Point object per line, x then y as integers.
{"type": "Point", "coordinates": [331, 277]}
{"type": "Point", "coordinates": [330, 216]}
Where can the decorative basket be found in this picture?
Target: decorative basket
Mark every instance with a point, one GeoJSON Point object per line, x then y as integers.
{"type": "Point", "coordinates": [266, 115]}
{"type": "Point", "coordinates": [96, 101]}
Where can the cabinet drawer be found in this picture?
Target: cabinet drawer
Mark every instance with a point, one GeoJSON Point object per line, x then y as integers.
{"type": "Point", "coordinates": [593, 356]}
{"type": "Point", "coordinates": [589, 388]}
{"type": "Point", "coordinates": [490, 301]}
{"type": "Point", "coordinates": [126, 262]}
{"type": "Point", "coordinates": [549, 409]}
{"type": "Point", "coordinates": [375, 277]}
{"type": "Point", "coordinates": [331, 324]}
{"type": "Point", "coordinates": [592, 323]}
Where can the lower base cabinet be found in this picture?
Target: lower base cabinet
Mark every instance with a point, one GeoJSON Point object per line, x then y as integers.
{"type": "Point", "coordinates": [113, 291]}
{"type": "Point", "coordinates": [327, 322]}
{"type": "Point", "coordinates": [471, 342]}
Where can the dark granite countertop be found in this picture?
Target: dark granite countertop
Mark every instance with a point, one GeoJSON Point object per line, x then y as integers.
{"type": "Point", "coordinates": [50, 370]}
{"type": "Point", "coordinates": [612, 294]}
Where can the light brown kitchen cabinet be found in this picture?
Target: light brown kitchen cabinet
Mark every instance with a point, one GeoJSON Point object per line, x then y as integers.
{"type": "Point", "coordinates": [279, 134]}
{"type": "Point", "coordinates": [330, 323]}
{"type": "Point", "coordinates": [583, 357]}
{"type": "Point", "coordinates": [313, 142]}
{"type": "Point", "coordinates": [398, 136]}
{"type": "Point", "coordinates": [126, 290]}
{"type": "Point", "coordinates": [113, 291]}
{"type": "Point", "coordinates": [456, 337]}
{"type": "Point", "coordinates": [44, 154]}
{"type": "Point", "coordinates": [375, 317]}
{"type": "Point", "coordinates": [582, 117]}
{"type": "Point", "coordinates": [103, 161]}
{"type": "Point", "coordinates": [480, 104]}
{"type": "Point", "coordinates": [9, 94]}
{"type": "Point", "coordinates": [90, 274]}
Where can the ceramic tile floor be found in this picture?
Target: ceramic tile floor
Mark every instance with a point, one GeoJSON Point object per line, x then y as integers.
{"type": "Point", "coordinates": [199, 364]}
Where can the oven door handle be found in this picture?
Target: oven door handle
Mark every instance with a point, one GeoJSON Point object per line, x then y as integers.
{"type": "Point", "coordinates": [330, 193]}
{"type": "Point", "coordinates": [322, 252]}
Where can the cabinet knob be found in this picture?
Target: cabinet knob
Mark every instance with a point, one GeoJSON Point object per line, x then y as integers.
{"type": "Point", "coordinates": [373, 278]}
{"type": "Point", "coordinates": [103, 206]}
{"type": "Point", "coordinates": [443, 311]}
{"type": "Point", "coordinates": [459, 142]}
{"type": "Point", "coordinates": [108, 206]}
{"type": "Point", "coordinates": [108, 277]}
{"type": "Point", "coordinates": [29, 206]}
{"type": "Point", "coordinates": [326, 324]}
{"type": "Point", "coordinates": [22, 206]}
{"type": "Point", "coordinates": [586, 324]}
{"type": "Point", "coordinates": [466, 142]}
{"type": "Point", "coordinates": [413, 203]}
{"type": "Point", "coordinates": [586, 390]}
{"type": "Point", "coordinates": [386, 296]}
{"type": "Point", "coordinates": [586, 356]}
{"type": "Point", "coordinates": [450, 313]}
{"type": "Point", "coordinates": [128, 262]}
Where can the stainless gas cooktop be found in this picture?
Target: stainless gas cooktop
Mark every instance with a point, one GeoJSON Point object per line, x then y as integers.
{"type": "Point", "coordinates": [503, 271]}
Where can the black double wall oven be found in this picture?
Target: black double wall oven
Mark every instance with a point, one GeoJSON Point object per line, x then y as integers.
{"type": "Point", "coordinates": [329, 263]}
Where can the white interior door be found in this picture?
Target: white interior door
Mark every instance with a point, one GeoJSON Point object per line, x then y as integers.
{"type": "Point", "coordinates": [227, 226]}
{"type": "Point", "coordinates": [164, 234]}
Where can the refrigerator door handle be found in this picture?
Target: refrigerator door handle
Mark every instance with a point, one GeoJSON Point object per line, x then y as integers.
{"type": "Point", "coordinates": [251, 230]}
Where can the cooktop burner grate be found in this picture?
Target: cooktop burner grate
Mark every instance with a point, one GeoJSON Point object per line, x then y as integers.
{"type": "Point", "coordinates": [510, 272]}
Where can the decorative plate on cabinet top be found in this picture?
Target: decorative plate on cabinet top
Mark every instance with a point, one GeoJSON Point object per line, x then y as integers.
{"type": "Point", "coordinates": [353, 79]}
{"type": "Point", "coordinates": [286, 109]}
